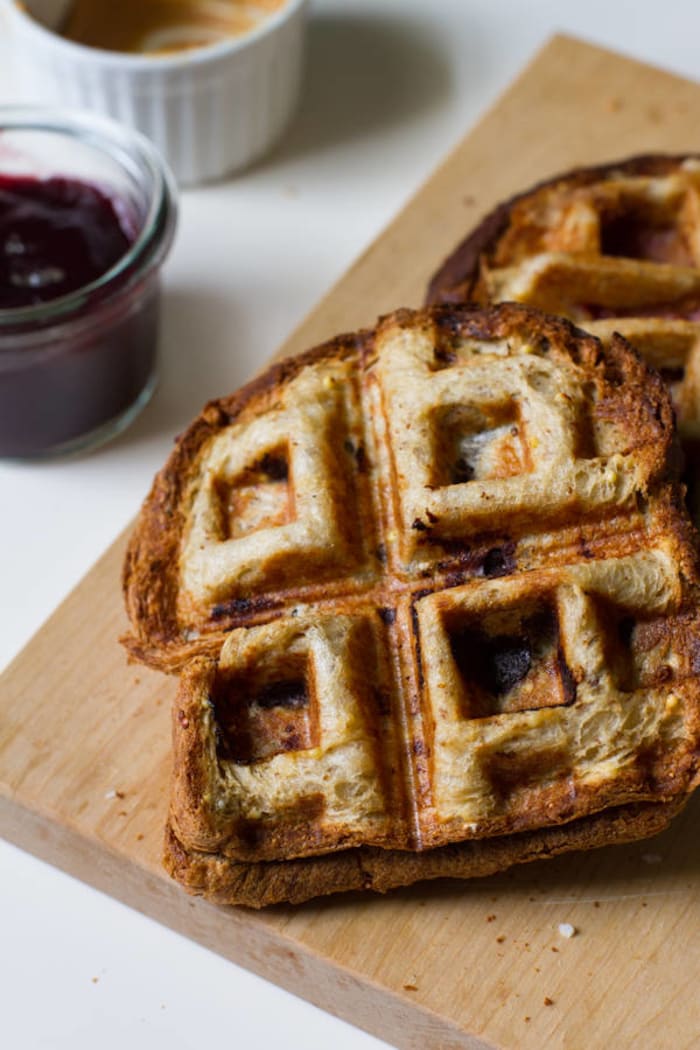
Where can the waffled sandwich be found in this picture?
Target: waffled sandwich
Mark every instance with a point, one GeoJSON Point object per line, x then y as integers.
{"type": "Point", "coordinates": [614, 248]}
{"type": "Point", "coordinates": [432, 594]}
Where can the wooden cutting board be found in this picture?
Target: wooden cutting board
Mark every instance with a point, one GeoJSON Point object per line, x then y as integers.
{"type": "Point", "coordinates": [84, 738]}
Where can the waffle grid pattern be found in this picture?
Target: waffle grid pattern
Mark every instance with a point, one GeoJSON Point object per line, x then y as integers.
{"type": "Point", "coordinates": [321, 726]}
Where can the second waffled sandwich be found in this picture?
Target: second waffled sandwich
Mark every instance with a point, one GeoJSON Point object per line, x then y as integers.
{"type": "Point", "coordinates": [615, 248]}
{"type": "Point", "coordinates": [434, 600]}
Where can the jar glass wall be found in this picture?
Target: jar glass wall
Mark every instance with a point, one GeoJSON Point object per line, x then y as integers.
{"type": "Point", "coordinates": [74, 370]}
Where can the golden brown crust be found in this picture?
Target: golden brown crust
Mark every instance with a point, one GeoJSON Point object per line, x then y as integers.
{"type": "Point", "coordinates": [260, 885]}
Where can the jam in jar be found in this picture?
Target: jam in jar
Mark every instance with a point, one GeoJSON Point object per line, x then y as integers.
{"type": "Point", "coordinates": [87, 214]}
{"type": "Point", "coordinates": [56, 235]}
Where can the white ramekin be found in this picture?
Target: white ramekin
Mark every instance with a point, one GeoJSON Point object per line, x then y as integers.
{"type": "Point", "coordinates": [210, 110]}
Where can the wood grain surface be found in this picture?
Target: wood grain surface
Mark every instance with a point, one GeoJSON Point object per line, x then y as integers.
{"type": "Point", "coordinates": [84, 738]}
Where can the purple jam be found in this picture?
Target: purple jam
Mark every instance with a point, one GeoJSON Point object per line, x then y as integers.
{"type": "Point", "coordinates": [56, 236]}
{"type": "Point", "coordinates": [66, 377]}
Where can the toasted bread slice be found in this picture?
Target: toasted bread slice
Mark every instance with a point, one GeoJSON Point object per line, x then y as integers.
{"type": "Point", "coordinates": [449, 443]}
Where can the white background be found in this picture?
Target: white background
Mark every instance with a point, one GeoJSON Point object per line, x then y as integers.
{"type": "Point", "coordinates": [391, 85]}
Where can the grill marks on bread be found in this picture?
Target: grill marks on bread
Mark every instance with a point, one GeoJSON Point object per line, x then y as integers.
{"type": "Point", "coordinates": [426, 586]}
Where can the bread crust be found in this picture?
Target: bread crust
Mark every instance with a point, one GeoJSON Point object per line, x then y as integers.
{"type": "Point", "coordinates": [261, 884]}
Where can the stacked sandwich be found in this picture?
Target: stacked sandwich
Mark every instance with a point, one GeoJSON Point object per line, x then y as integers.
{"type": "Point", "coordinates": [431, 589]}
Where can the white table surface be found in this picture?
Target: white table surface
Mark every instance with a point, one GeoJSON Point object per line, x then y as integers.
{"type": "Point", "coordinates": [391, 85]}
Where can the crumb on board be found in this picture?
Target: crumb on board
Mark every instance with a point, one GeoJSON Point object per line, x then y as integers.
{"type": "Point", "coordinates": [95, 980]}
{"type": "Point", "coordinates": [500, 939]}
{"type": "Point", "coordinates": [490, 918]}
{"type": "Point", "coordinates": [548, 1001]}
{"type": "Point", "coordinates": [526, 1019]}
{"type": "Point", "coordinates": [567, 930]}
{"type": "Point", "coordinates": [410, 987]}
{"type": "Point", "coordinates": [554, 948]}
{"type": "Point", "coordinates": [114, 793]}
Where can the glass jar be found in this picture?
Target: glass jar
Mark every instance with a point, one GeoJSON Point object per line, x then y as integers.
{"type": "Point", "coordinates": [75, 370]}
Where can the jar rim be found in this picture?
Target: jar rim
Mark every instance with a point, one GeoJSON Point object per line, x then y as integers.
{"type": "Point", "coordinates": [128, 148]}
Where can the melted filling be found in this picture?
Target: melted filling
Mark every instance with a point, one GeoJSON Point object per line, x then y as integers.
{"type": "Point", "coordinates": [258, 722]}
{"type": "Point", "coordinates": [512, 661]}
{"type": "Point", "coordinates": [499, 561]}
